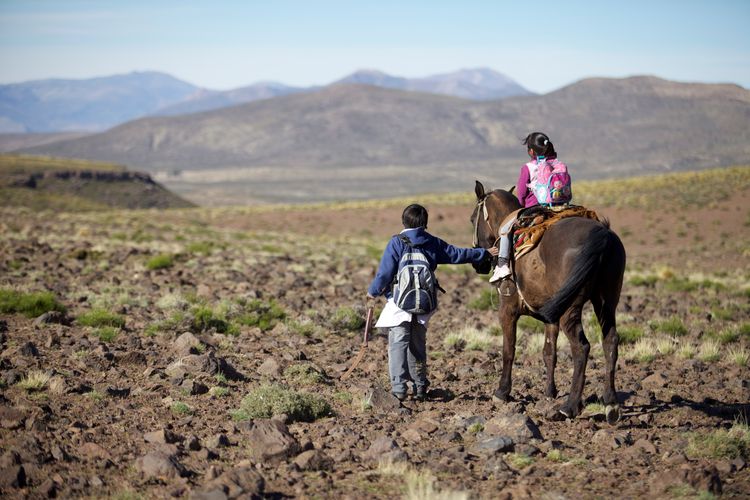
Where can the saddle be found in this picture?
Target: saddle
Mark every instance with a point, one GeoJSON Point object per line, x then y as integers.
{"type": "Point", "coordinates": [533, 222]}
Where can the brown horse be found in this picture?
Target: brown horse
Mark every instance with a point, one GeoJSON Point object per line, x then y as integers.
{"type": "Point", "coordinates": [577, 260]}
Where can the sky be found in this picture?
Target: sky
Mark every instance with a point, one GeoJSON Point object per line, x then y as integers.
{"type": "Point", "coordinates": [222, 44]}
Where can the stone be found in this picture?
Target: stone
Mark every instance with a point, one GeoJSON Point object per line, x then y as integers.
{"type": "Point", "coordinates": [698, 477]}
{"type": "Point", "coordinates": [425, 425]}
{"type": "Point", "coordinates": [193, 444]}
{"type": "Point", "coordinates": [93, 451]}
{"type": "Point", "coordinates": [162, 436]}
{"type": "Point", "coordinates": [239, 482]}
{"type": "Point", "coordinates": [270, 440]}
{"type": "Point", "coordinates": [12, 477]}
{"type": "Point", "coordinates": [29, 349]}
{"type": "Point", "coordinates": [491, 446]}
{"type": "Point", "coordinates": [218, 441]}
{"type": "Point", "coordinates": [186, 344]}
{"type": "Point", "coordinates": [516, 426]}
{"type": "Point", "coordinates": [645, 445]}
{"type": "Point", "coordinates": [656, 380]}
{"type": "Point", "coordinates": [385, 449]}
{"type": "Point", "coordinates": [11, 418]}
{"type": "Point", "coordinates": [313, 460]}
{"type": "Point", "coordinates": [269, 368]}
{"type": "Point", "coordinates": [159, 465]}
{"type": "Point", "coordinates": [193, 387]}
{"type": "Point", "coordinates": [381, 400]}
{"type": "Point", "coordinates": [52, 317]}
{"type": "Point", "coordinates": [611, 438]}
{"type": "Point", "coordinates": [118, 392]}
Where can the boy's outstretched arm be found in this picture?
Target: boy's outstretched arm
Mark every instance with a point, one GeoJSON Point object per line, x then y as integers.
{"type": "Point", "coordinates": [449, 254]}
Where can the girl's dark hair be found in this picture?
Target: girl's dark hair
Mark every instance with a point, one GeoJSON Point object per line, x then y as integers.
{"type": "Point", "coordinates": [540, 144]}
{"type": "Point", "coordinates": [414, 216]}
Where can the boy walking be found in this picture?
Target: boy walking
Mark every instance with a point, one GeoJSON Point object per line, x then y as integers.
{"type": "Point", "coordinates": [407, 332]}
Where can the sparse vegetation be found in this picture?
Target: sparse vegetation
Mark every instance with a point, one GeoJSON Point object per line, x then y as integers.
{"type": "Point", "coordinates": [471, 339]}
{"type": "Point", "coordinates": [629, 334]}
{"type": "Point", "coordinates": [305, 374]}
{"type": "Point", "coordinates": [161, 261]}
{"type": "Point", "coordinates": [346, 318]}
{"type": "Point", "coordinates": [31, 304]}
{"type": "Point", "coordinates": [709, 351]}
{"type": "Point", "coordinates": [264, 315]}
{"type": "Point", "coordinates": [520, 461]}
{"type": "Point", "coordinates": [269, 400]}
{"type": "Point", "coordinates": [98, 318]}
{"type": "Point", "coordinates": [180, 408]}
{"type": "Point", "coordinates": [721, 443]}
{"type": "Point", "coordinates": [35, 380]}
{"type": "Point", "coordinates": [106, 333]}
{"type": "Point", "coordinates": [672, 326]}
{"type": "Point", "coordinates": [486, 301]}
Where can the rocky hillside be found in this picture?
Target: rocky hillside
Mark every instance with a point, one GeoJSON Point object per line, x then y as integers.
{"type": "Point", "coordinates": [58, 184]}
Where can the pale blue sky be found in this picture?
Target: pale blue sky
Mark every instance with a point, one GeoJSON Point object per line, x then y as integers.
{"type": "Point", "coordinates": [223, 44]}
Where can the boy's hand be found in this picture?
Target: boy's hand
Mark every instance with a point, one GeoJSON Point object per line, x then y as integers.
{"type": "Point", "coordinates": [493, 251]}
{"type": "Point", "coordinates": [370, 300]}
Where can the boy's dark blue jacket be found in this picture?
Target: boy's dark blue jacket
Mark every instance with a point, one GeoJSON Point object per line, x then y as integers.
{"type": "Point", "coordinates": [436, 250]}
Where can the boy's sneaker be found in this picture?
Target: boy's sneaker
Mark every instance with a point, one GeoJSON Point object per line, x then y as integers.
{"type": "Point", "coordinates": [399, 395]}
{"type": "Point", "coordinates": [421, 394]}
{"type": "Point", "coordinates": [501, 272]}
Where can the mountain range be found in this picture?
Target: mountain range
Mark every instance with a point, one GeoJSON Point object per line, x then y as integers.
{"type": "Point", "coordinates": [352, 140]}
{"type": "Point", "coordinates": [96, 104]}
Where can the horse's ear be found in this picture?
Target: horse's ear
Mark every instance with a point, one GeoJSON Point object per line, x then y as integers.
{"type": "Point", "coordinates": [512, 188]}
{"type": "Point", "coordinates": [479, 190]}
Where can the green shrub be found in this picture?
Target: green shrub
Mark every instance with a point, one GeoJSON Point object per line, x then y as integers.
{"type": "Point", "coordinates": [672, 326]}
{"type": "Point", "coordinates": [629, 334]}
{"type": "Point", "coordinates": [487, 300]}
{"type": "Point", "coordinates": [202, 247]}
{"type": "Point", "coordinates": [647, 281]}
{"type": "Point", "coordinates": [346, 318]}
{"type": "Point", "coordinates": [161, 261]}
{"type": "Point", "coordinates": [205, 318]}
{"type": "Point", "coordinates": [107, 333]}
{"type": "Point", "coordinates": [29, 304]}
{"type": "Point", "coordinates": [721, 443]}
{"type": "Point", "coordinates": [305, 374]}
{"type": "Point", "coordinates": [530, 325]}
{"type": "Point", "coordinates": [264, 315]}
{"type": "Point", "coordinates": [269, 400]}
{"type": "Point", "coordinates": [101, 317]}
{"type": "Point", "coordinates": [180, 408]}
{"type": "Point", "coordinates": [305, 328]}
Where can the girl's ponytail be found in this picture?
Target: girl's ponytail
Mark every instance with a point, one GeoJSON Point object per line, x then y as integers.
{"type": "Point", "coordinates": [540, 144]}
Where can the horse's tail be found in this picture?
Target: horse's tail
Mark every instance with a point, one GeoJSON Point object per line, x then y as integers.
{"type": "Point", "coordinates": [587, 263]}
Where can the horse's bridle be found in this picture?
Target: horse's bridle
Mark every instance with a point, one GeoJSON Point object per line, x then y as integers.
{"type": "Point", "coordinates": [482, 207]}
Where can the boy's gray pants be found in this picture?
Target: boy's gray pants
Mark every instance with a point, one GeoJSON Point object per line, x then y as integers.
{"type": "Point", "coordinates": [407, 355]}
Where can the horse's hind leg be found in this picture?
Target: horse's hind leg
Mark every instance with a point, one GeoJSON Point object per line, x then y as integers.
{"type": "Point", "coordinates": [605, 313]}
{"type": "Point", "coordinates": [570, 322]}
{"type": "Point", "coordinates": [551, 330]}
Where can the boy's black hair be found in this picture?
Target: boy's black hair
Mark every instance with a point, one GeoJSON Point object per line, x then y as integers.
{"type": "Point", "coordinates": [414, 216]}
{"type": "Point", "coordinates": [540, 144]}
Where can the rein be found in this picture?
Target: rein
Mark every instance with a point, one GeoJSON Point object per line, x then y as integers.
{"type": "Point", "coordinates": [482, 206]}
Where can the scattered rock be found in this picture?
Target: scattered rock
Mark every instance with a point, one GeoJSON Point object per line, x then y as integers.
{"type": "Point", "coordinates": [159, 465]}
{"type": "Point", "coordinates": [491, 446]}
{"type": "Point", "coordinates": [218, 441]}
{"type": "Point", "coordinates": [313, 460]}
{"type": "Point", "coordinates": [240, 482]}
{"type": "Point", "coordinates": [162, 436]}
{"type": "Point", "coordinates": [52, 317]}
{"type": "Point", "coordinates": [645, 445]}
{"type": "Point", "coordinates": [611, 438]}
{"type": "Point", "coordinates": [270, 368]}
{"type": "Point", "coordinates": [118, 392]}
{"type": "Point", "coordinates": [185, 344]}
{"type": "Point", "coordinates": [93, 451]}
{"type": "Point", "coordinates": [12, 477]}
{"type": "Point", "coordinates": [381, 400]}
{"type": "Point", "coordinates": [697, 477]}
{"type": "Point", "coordinates": [270, 440]}
{"type": "Point", "coordinates": [11, 418]}
{"type": "Point", "coordinates": [385, 449]}
{"type": "Point", "coordinates": [656, 380]}
{"type": "Point", "coordinates": [29, 349]}
{"type": "Point", "coordinates": [193, 387]}
{"type": "Point", "coordinates": [193, 444]}
{"type": "Point", "coordinates": [516, 426]}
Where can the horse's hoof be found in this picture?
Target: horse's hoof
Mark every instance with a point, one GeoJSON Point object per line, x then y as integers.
{"type": "Point", "coordinates": [500, 396]}
{"type": "Point", "coordinates": [612, 414]}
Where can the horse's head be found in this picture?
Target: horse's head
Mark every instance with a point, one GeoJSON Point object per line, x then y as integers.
{"type": "Point", "coordinates": [489, 212]}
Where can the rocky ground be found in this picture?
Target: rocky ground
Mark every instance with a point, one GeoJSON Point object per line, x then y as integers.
{"type": "Point", "coordinates": [133, 392]}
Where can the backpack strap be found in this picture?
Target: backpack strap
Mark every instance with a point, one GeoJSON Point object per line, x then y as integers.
{"type": "Point", "coordinates": [408, 243]}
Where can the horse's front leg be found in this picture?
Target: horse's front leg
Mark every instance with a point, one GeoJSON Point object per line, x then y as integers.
{"type": "Point", "coordinates": [508, 321]}
{"type": "Point", "coordinates": [551, 330]}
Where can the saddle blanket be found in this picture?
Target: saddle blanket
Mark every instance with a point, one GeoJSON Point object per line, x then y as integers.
{"type": "Point", "coordinates": [535, 221]}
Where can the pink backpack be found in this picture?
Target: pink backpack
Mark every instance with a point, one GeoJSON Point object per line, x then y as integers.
{"type": "Point", "coordinates": [552, 186]}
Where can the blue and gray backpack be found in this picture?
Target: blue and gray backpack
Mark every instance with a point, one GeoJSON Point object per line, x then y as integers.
{"type": "Point", "coordinates": [415, 288]}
